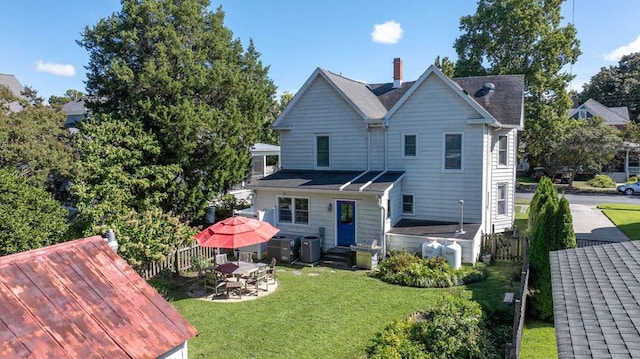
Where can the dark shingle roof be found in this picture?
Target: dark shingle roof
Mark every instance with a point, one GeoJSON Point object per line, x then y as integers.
{"type": "Point", "coordinates": [613, 116]}
{"type": "Point", "coordinates": [596, 300]}
{"type": "Point", "coordinates": [359, 94]}
{"type": "Point", "coordinates": [504, 102]}
{"type": "Point", "coordinates": [75, 107]}
{"type": "Point", "coordinates": [389, 95]}
{"type": "Point", "coordinates": [349, 181]}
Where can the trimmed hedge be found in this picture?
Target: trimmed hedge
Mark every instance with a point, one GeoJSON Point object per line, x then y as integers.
{"type": "Point", "coordinates": [407, 269]}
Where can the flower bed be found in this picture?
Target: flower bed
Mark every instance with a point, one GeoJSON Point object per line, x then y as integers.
{"type": "Point", "coordinates": [408, 269]}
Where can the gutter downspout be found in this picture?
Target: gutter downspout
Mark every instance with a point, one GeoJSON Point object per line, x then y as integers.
{"type": "Point", "coordinates": [383, 222]}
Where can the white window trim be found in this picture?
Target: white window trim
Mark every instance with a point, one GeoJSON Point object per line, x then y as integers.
{"type": "Point", "coordinates": [506, 151]}
{"type": "Point", "coordinates": [413, 204]}
{"type": "Point", "coordinates": [444, 152]}
{"type": "Point", "coordinates": [506, 199]}
{"type": "Point", "coordinates": [402, 149]}
{"type": "Point", "coordinates": [315, 150]}
{"type": "Point", "coordinates": [293, 210]}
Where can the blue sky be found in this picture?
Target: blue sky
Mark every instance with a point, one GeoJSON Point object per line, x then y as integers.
{"type": "Point", "coordinates": [358, 39]}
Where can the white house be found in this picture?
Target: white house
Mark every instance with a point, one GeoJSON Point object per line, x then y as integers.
{"type": "Point", "coordinates": [393, 162]}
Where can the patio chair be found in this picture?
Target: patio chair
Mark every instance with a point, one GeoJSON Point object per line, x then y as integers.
{"type": "Point", "coordinates": [256, 279]}
{"type": "Point", "coordinates": [221, 258]}
{"type": "Point", "coordinates": [215, 281]}
{"type": "Point", "coordinates": [245, 257]}
{"type": "Point", "coordinates": [271, 270]}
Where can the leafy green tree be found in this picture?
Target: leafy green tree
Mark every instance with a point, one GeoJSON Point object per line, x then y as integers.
{"type": "Point", "coordinates": [269, 135]}
{"type": "Point", "coordinates": [616, 86]}
{"type": "Point", "coordinates": [69, 95]}
{"type": "Point", "coordinates": [446, 66]}
{"type": "Point", "coordinates": [29, 217]}
{"type": "Point", "coordinates": [147, 236]}
{"type": "Point", "coordinates": [585, 145]}
{"type": "Point", "coordinates": [35, 142]}
{"type": "Point", "coordinates": [523, 37]}
{"type": "Point", "coordinates": [546, 192]}
{"type": "Point", "coordinates": [173, 67]}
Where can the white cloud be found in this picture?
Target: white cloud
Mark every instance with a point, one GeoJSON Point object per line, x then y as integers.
{"type": "Point", "coordinates": [388, 33]}
{"type": "Point", "coordinates": [56, 69]}
{"type": "Point", "coordinates": [615, 55]}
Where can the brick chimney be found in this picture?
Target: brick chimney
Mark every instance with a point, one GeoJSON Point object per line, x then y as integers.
{"type": "Point", "coordinates": [397, 72]}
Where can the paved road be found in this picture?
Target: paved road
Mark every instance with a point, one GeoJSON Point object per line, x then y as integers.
{"type": "Point", "coordinates": [592, 199]}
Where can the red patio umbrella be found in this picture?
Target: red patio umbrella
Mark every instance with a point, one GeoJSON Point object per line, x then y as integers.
{"type": "Point", "coordinates": [235, 232]}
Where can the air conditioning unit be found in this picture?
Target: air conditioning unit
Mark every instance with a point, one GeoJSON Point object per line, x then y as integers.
{"type": "Point", "coordinates": [284, 248]}
{"type": "Point", "coordinates": [310, 249]}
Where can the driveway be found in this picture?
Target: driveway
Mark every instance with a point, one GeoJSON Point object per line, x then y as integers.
{"type": "Point", "coordinates": [589, 223]}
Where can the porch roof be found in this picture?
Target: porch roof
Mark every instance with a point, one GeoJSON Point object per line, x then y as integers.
{"type": "Point", "coordinates": [346, 181]}
{"type": "Point", "coordinates": [415, 227]}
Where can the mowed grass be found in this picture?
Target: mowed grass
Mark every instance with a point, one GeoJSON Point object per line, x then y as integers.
{"type": "Point", "coordinates": [538, 341]}
{"type": "Point", "coordinates": [625, 216]}
{"type": "Point", "coordinates": [315, 313]}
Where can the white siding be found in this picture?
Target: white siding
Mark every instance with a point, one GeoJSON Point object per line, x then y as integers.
{"type": "Point", "coordinates": [413, 244]}
{"type": "Point", "coordinates": [433, 110]}
{"type": "Point", "coordinates": [322, 110]}
{"type": "Point", "coordinates": [368, 214]}
{"type": "Point", "coordinates": [503, 174]}
{"type": "Point", "coordinates": [377, 148]}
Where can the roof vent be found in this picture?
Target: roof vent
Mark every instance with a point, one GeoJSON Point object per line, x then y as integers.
{"type": "Point", "coordinates": [486, 89]}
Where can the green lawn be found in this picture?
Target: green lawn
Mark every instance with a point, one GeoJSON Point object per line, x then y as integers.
{"type": "Point", "coordinates": [316, 313]}
{"type": "Point", "coordinates": [625, 216]}
{"type": "Point", "coordinates": [538, 341]}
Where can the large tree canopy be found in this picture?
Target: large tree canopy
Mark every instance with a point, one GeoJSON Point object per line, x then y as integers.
{"type": "Point", "coordinates": [523, 37]}
{"type": "Point", "coordinates": [35, 142]}
{"type": "Point", "coordinates": [616, 86]}
{"type": "Point", "coordinates": [173, 67]}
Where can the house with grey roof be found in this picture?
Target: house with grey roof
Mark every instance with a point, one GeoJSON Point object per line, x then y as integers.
{"type": "Point", "coordinates": [596, 301]}
{"type": "Point", "coordinates": [15, 87]}
{"type": "Point", "coordinates": [627, 161]}
{"type": "Point", "coordinates": [76, 112]}
{"type": "Point", "coordinates": [398, 163]}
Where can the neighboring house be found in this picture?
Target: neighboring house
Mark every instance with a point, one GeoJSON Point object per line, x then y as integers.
{"type": "Point", "coordinates": [76, 112]}
{"type": "Point", "coordinates": [596, 301]}
{"type": "Point", "coordinates": [79, 299]}
{"type": "Point", "coordinates": [617, 117]}
{"type": "Point", "coordinates": [627, 161]}
{"type": "Point", "coordinates": [393, 161]}
{"type": "Point", "coordinates": [15, 87]}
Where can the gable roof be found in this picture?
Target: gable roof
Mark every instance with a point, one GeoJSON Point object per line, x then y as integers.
{"type": "Point", "coordinates": [15, 87]}
{"type": "Point", "coordinates": [503, 105]}
{"type": "Point", "coordinates": [596, 300]}
{"type": "Point", "coordinates": [75, 107]}
{"type": "Point", "coordinates": [79, 299]}
{"type": "Point", "coordinates": [504, 101]}
{"type": "Point", "coordinates": [613, 116]}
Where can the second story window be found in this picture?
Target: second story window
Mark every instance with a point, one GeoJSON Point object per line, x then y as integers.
{"type": "Point", "coordinates": [410, 145]}
{"type": "Point", "coordinates": [453, 151]}
{"type": "Point", "coordinates": [502, 150]}
{"type": "Point", "coordinates": [322, 151]}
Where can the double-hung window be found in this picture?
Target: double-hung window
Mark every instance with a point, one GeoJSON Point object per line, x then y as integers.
{"type": "Point", "coordinates": [293, 210]}
{"type": "Point", "coordinates": [407, 204]}
{"type": "Point", "coordinates": [452, 151]}
{"type": "Point", "coordinates": [502, 150]}
{"type": "Point", "coordinates": [322, 151]}
{"type": "Point", "coordinates": [502, 199]}
{"type": "Point", "coordinates": [409, 145]}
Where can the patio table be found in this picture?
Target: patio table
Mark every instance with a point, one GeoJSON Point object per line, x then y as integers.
{"type": "Point", "coordinates": [239, 269]}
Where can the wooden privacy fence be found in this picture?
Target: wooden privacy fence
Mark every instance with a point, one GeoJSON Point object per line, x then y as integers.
{"type": "Point", "coordinates": [180, 260]}
{"type": "Point", "coordinates": [512, 349]}
{"type": "Point", "coordinates": [504, 246]}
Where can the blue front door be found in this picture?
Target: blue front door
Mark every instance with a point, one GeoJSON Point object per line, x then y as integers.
{"type": "Point", "coordinates": [346, 219]}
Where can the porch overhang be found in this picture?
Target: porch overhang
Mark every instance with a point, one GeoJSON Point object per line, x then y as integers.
{"type": "Point", "coordinates": [370, 182]}
{"type": "Point", "coordinates": [435, 229]}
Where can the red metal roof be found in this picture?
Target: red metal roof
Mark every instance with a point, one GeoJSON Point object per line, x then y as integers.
{"type": "Point", "coordinates": [79, 299]}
